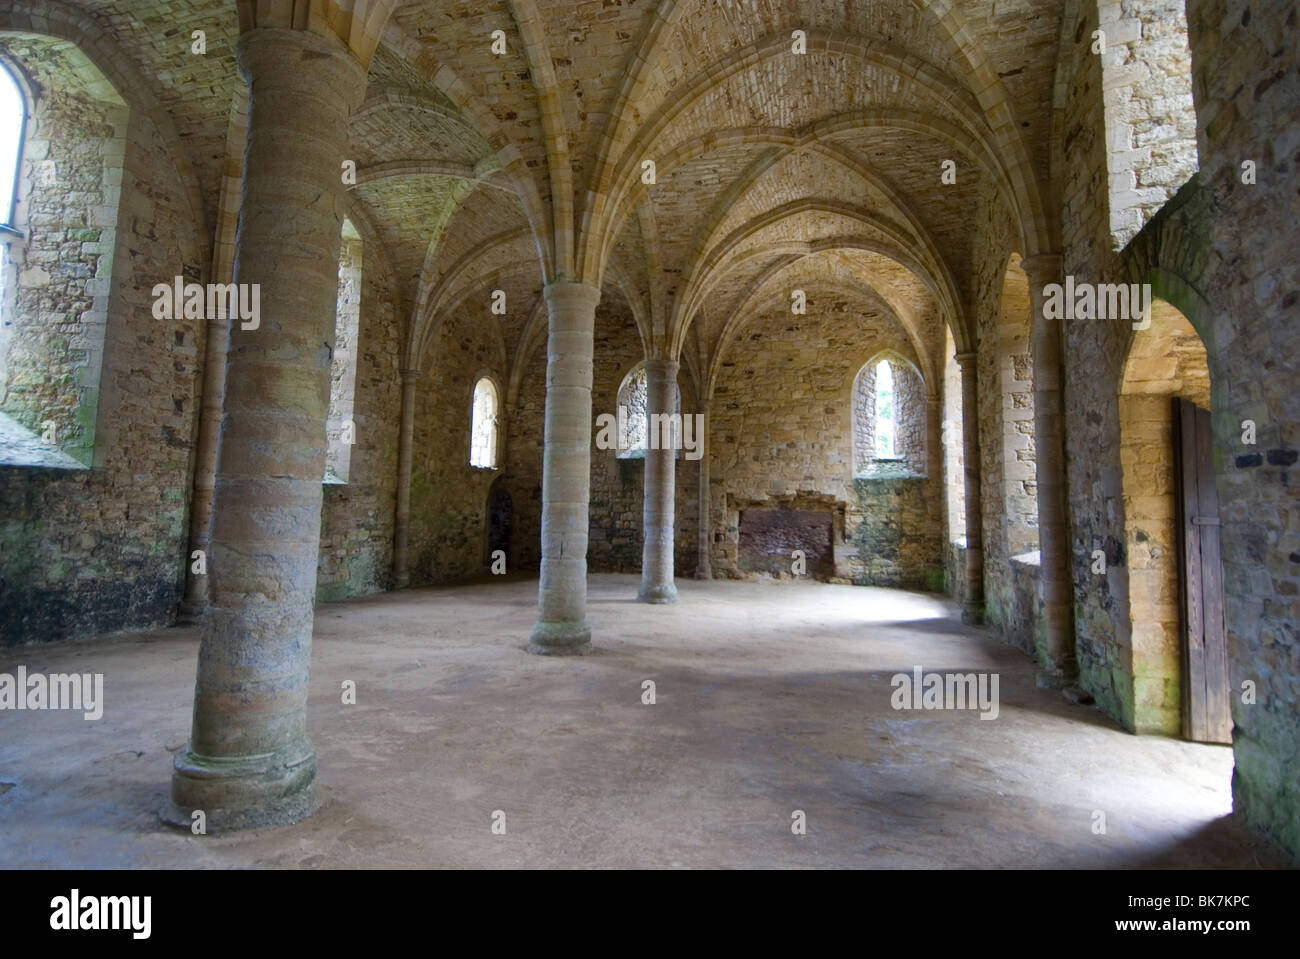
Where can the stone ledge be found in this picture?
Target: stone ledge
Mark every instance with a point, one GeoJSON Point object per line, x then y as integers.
{"type": "Point", "coordinates": [19, 446]}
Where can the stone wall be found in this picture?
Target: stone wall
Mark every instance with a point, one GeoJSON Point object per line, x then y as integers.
{"type": "Point", "coordinates": [56, 276]}
{"type": "Point", "coordinates": [448, 533]}
{"type": "Point", "coordinates": [1012, 604]}
{"type": "Point", "coordinates": [617, 483]}
{"type": "Point", "coordinates": [1220, 251]}
{"type": "Point", "coordinates": [89, 551]}
{"type": "Point", "coordinates": [1094, 353]}
{"type": "Point", "coordinates": [782, 435]}
{"type": "Point", "coordinates": [522, 473]}
{"type": "Point", "coordinates": [1246, 83]}
{"type": "Point", "coordinates": [1150, 120]}
{"type": "Point", "coordinates": [357, 517]}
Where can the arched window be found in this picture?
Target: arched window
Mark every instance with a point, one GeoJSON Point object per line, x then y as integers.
{"type": "Point", "coordinates": [633, 422]}
{"type": "Point", "coordinates": [889, 416]}
{"type": "Point", "coordinates": [483, 432]}
{"type": "Point", "coordinates": [13, 121]}
{"type": "Point", "coordinates": [633, 415]}
{"type": "Point", "coordinates": [884, 411]}
{"type": "Point", "coordinates": [340, 426]}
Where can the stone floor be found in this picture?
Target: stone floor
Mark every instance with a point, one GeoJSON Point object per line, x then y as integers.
{"type": "Point", "coordinates": [769, 698]}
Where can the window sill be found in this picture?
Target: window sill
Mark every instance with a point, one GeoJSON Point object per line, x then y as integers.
{"type": "Point", "coordinates": [888, 469]}
{"type": "Point", "coordinates": [20, 447]}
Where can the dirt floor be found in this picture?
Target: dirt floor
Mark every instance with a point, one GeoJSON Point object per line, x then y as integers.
{"type": "Point", "coordinates": [769, 698]}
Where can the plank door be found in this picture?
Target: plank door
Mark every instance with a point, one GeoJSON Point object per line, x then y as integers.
{"type": "Point", "coordinates": [1207, 716]}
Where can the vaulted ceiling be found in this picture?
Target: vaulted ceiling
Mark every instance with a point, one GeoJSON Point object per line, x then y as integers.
{"type": "Point", "coordinates": [773, 169]}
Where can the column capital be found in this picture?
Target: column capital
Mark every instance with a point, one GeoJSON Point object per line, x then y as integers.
{"type": "Point", "coordinates": [276, 56]}
{"type": "Point", "coordinates": [1043, 266]}
{"type": "Point", "coordinates": [661, 365]}
{"type": "Point", "coordinates": [410, 376]}
{"type": "Point", "coordinates": [571, 294]}
{"type": "Point", "coordinates": [967, 360]}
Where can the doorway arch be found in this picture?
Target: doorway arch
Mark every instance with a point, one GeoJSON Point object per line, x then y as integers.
{"type": "Point", "coordinates": [1176, 644]}
{"type": "Point", "coordinates": [500, 516]}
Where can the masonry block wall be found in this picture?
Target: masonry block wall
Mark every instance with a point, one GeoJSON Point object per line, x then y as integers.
{"type": "Point", "coordinates": [1150, 119]}
{"type": "Point", "coordinates": [56, 288]}
{"type": "Point", "coordinates": [357, 517]}
{"type": "Point", "coordinates": [1246, 83]}
{"type": "Point", "coordinates": [1094, 356]}
{"type": "Point", "coordinates": [522, 477]}
{"type": "Point", "coordinates": [98, 550]}
{"type": "Point", "coordinates": [448, 537]}
{"type": "Point", "coordinates": [782, 438]}
{"type": "Point", "coordinates": [617, 485]}
{"type": "Point", "coordinates": [1240, 291]}
{"type": "Point", "coordinates": [1012, 597]}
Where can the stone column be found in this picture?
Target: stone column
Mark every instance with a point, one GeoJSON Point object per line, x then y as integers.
{"type": "Point", "coordinates": [405, 455]}
{"type": "Point", "coordinates": [249, 761]}
{"type": "Point", "coordinates": [704, 566]}
{"type": "Point", "coordinates": [973, 608]}
{"type": "Point", "coordinates": [195, 598]}
{"type": "Point", "coordinates": [934, 458]}
{"type": "Point", "coordinates": [566, 472]}
{"type": "Point", "coordinates": [217, 338]}
{"type": "Point", "coordinates": [1049, 444]}
{"type": "Point", "coordinates": [659, 513]}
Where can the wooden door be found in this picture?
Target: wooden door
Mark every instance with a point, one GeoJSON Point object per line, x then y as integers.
{"type": "Point", "coordinates": [1207, 716]}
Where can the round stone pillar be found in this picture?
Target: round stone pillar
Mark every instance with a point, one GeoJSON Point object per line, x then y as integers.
{"type": "Point", "coordinates": [659, 512]}
{"type": "Point", "coordinates": [973, 607]}
{"type": "Point", "coordinates": [1049, 444]}
{"type": "Point", "coordinates": [249, 761]}
{"type": "Point", "coordinates": [566, 472]}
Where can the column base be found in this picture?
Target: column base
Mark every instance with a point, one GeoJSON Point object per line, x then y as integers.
{"type": "Point", "coordinates": [972, 613]}
{"type": "Point", "coordinates": [246, 792]}
{"type": "Point", "coordinates": [1062, 676]}
{"type": "Point", "coordinates": [658, 593]}
{"type": "Point", "coordinates": [560, 639]}
{"type": "Point", "coordinates": [189, 613]}
{"type": "Point", "coordinates": [703, 572]}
